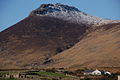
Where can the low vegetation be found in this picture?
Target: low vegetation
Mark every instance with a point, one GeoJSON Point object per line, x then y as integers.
{"type": "Point", "coordinates": [55, 74]}
{"type": "Point", "coordinates": [8, 79]}
{"type": "Point", "coordinates": [51, 74]}
{"type": "Point", "coordinates": [3, 73]}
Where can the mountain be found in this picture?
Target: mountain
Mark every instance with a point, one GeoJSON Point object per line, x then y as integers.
{"type": "Point", "coordinates": [57, 35]}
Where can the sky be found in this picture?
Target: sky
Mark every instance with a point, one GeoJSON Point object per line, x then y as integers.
{"type": "Point", "coordinates": [13, 11]}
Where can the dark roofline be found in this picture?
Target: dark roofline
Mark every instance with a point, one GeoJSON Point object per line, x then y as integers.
{"type": "Point", "coordinates": [88, 71]}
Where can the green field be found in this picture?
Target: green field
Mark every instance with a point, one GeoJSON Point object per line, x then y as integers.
{"type": "Point", "coordinates": [51, 74]}
{"type": "Point", "coordinates": [6, 72]}
{"type": "Point", "coordinates": [7, 79]}
{"type": "Point", "coordinates": [3, 73]}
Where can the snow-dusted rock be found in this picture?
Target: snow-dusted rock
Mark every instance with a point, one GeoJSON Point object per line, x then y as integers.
{"type": "Point", "coordinates": [69, 13]}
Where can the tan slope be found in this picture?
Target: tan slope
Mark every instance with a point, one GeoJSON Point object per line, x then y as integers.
{"type": "Point", "coordinates": [100, 48]}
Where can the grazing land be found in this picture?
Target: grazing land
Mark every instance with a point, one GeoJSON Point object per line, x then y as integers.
{"type": "Point", "coordinates": [59, 74]}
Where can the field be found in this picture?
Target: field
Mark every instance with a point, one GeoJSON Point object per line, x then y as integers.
{"type": "Point", "coordinates": [8, 79]}
{"type": "Point", "coordinates": [51, 74]}
{"type": "Point", "coordinates": [54, 74]}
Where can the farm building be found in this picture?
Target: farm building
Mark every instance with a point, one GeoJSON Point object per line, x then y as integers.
{"type": "Point", "coordinates": [96, 72]}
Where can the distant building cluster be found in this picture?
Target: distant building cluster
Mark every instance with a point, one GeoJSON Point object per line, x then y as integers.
{"type": "Point", "coordinates": [96, 72]}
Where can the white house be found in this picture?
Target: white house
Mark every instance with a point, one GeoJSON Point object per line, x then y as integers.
{"type": "Point", "coordinates": [96, 72]}
{"type": "Point", "coordinates": [118, 77]}
{"type": "Point", "coordinates": [107, 73]}
{"type": "Point", "coordinates": [92, 72]}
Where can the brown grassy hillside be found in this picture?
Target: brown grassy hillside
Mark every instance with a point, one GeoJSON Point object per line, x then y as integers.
{"type": "Point", "coordinates": [39, 41]}
{"type": "Point", "coordinates": [100, 48]}
{"type": "Point", "coordinates": [32, 41]}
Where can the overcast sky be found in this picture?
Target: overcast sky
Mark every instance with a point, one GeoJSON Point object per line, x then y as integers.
{"type": "Point", "coordinates": [12, 11]}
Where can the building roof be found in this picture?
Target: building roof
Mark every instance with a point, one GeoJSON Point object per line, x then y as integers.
{"type": "Point", "coordinates": [88, 71]}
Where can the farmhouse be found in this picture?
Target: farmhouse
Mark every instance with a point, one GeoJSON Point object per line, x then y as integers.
{"type": "Point", "coordinates": [107, 73]}
{"type": "Point", "coordinates": [118, 77]}
{"type": "Point", "coordinates": [96, 72]}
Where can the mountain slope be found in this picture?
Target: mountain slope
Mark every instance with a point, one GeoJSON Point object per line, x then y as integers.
{"type": "Point", "coordinates": [41, 38]}
{"type": "Point", "coordinates": [100, 48]}
{"type": "Point", "coordinates": [35, 39]}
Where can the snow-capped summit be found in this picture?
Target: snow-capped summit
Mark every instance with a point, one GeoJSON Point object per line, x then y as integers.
{"type": "Point", "coordinates": [56, 7]}
{"type": "Point", "coordinates": [51, 8]}
{"type": "Point", "coordinates": [69, 13]}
